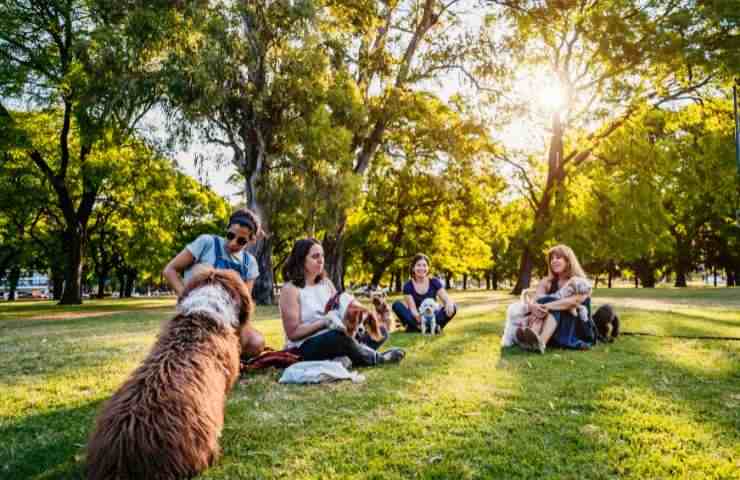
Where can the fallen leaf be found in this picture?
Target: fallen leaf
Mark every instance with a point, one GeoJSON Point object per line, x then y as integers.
{"type": "Point", "coordinates": [552, 405]}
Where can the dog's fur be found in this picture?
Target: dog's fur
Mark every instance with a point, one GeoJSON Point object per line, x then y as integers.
{"type": "Point", "coordinates": [165, 421]}
{"type": "Point", "coordinates": [348, 315]}
{"type": "Point", "coordinates": [428, 314]}
{"type": "Point", "coordinates": [606, 321]}
{"type": "Point", "coordinates": [517, 316]}
{"type": "Point", "coordinates": [383, 310]}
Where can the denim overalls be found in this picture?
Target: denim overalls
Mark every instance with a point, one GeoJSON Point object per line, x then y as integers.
{"type": "Point", "coordinates": [223, 262]}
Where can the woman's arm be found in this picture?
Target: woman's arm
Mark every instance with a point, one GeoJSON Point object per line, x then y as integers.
{"type": "Point", "coordinates": [566, 303]}
{"type": "Point", "coordinates": [290, 313]}
{"type": "Point", "coordinates": [174, 269]}
{"type": "Point", "coordinates": [411, 305]}
{"type": "Point", "coordinates": [250, 285]}
{"type": "Point", "coordinates": [448, 303]}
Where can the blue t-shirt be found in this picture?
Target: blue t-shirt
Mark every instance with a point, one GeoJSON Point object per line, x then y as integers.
{"type": "Point", "coordinates": [203, 250]}
{"type": "Point", "coordinates": [435, 285]}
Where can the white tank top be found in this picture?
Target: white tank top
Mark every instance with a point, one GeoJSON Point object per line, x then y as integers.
{"type": "Point", "coordinates": [311, 301]}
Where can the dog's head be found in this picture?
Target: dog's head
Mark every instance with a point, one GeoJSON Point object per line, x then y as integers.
{"type": "Point", "coordinates": [220, 291]}
{"type": "Point", "coordinates": [428, 307]}
{"type": "Point", "coordinates": [359, 318]}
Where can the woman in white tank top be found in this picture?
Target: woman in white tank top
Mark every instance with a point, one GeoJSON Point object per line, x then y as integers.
{"type": "Point", "coordinates": [302, 302]}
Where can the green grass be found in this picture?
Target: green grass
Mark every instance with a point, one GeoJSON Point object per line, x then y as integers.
{"type": "Point", "coordinates": [458, 407]}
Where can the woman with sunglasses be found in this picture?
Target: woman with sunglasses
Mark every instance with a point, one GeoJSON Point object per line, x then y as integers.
{"type": "Point", "coordinates": [302, 301]}
{"type": "Point", "coordinates": [228, 252]}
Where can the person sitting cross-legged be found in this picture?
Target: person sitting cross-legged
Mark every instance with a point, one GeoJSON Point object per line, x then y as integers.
{"type": "Point", "coordinates": [419, 288]}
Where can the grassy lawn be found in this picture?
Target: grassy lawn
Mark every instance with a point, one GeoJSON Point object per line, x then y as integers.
{"type": "Point", "coordinates": [458, 407]}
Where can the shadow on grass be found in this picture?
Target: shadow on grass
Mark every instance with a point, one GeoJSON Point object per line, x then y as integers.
{"type": "Point", "coordinates": [573, 416]}
{"type": "Point", "coordinates": [47, 445]}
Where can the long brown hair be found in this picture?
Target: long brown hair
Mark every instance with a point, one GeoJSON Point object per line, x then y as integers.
{"type": "Point", "coordinates": [573, 269]}
{"type": "Point", "coordinates": [294, 268]}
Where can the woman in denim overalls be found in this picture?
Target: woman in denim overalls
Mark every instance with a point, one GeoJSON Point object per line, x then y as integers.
{"type": "Point", "coordinates": [224, 253]}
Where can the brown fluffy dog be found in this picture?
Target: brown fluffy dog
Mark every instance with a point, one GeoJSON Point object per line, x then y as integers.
{"type": "Point", "coordinates": [360, 320]}
{"type": "Point", "coordinates": [165, 421]}
{"type": "Point", "coordinates": [383, 310]}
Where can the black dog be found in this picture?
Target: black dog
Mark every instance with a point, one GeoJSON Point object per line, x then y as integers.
{"type": "Point", "coordinates": [607, 323]}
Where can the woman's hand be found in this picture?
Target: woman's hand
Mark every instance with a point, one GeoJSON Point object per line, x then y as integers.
{"type": "Point", "coordinates": [449, 308]}
{"type": "Point", "coordinates": [538, 310]}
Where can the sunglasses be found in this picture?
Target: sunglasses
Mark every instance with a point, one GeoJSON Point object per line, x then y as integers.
{"type": "Point", "coordinates": [241, 241]}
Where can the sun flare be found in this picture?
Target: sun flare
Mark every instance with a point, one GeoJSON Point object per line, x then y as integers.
{"type": "Point", "coordinates": [552, 96]}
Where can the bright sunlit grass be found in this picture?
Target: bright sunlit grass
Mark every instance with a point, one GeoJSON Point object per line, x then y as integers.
{"type": "Point", "coordinates": [457, 407]}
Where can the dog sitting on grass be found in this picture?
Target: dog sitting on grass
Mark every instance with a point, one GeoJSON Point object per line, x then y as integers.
{"type": "Point", "coordinates": [165, 421]}
{"type": "Point", "coordinates": [606, 321]}
{"type": "Point", "coordinates": [428, 313]}
{"type": "Point", "coordinates": [383, 310]}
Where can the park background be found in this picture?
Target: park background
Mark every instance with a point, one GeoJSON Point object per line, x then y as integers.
{"type": "Point", "coordinates": [478, 132]}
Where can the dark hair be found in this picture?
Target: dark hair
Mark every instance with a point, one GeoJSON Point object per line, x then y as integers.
{"type": "Point", "coordinates": [417, 257]}
{"type": "Point", "coordinates": [293, 270]}
{"type": "Point", "coordinates": [247, 218]}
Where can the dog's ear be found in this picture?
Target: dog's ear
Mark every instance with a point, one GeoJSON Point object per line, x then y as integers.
{"type": "Point", "coordinates": [352, 319]}
{"type": "Point", "coordinates": [372, 324]}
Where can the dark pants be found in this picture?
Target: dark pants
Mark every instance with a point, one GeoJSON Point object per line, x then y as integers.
{"type": "Point", "coordinates": [571, 331]}
{"type": "Point", "coordinates": [407, 319]}
{"type": "Point", "coordinates": [334, 344]}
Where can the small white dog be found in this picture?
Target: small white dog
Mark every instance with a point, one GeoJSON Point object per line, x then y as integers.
{"type": "Point", "coordinates": [427, 311]}
{"type": "Point", "coordinates": [516, 317]}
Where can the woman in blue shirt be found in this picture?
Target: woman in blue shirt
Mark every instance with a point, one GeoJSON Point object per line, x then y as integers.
{"type": "Point", "coordinates": [227, 252]}
{"type": "Point", "coordinates": [420, 287]}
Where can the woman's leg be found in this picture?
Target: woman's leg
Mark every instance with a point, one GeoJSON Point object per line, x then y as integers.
{"type": "Point", "coordinates": [442, 318]}
{"type": "Point", "coordinates": [404, 315]}
{"type": "Point", "coordinates": [334, 344]}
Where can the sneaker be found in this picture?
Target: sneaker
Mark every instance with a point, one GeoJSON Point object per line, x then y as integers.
{"type": "Point", "coordinates": [394, 355]}
{"type": "Point", "coordinates": [528, 339]}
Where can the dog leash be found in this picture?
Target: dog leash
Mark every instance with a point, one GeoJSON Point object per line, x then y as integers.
{"type": "Point", "coordinates": [684, 337]}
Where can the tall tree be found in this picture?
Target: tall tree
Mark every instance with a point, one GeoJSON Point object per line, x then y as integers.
{"type": "Point", "coordinates": [89, 65]}
{"type": "Point", "coordinates": [595, 52]}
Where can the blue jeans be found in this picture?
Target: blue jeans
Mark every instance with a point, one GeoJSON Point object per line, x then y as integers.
{"type": "Point", "coordinates": [334, 344]}
{"type": "Point", "coordinates": [571, 332]}
{"type": "Point", "coordinates": [407, 319]}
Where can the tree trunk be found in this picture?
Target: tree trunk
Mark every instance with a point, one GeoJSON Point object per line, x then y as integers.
{"type": "Point", "coordinates": [101, 286]}
{"type": "Point", "coordinates": [609, 275]}
{"type": "Point", "coordinates": [57, 282]}
{"type": "Point", "coordinates": [131, 275]}
{"type": "Point", "coordinates": [683, 261]}
{"type": "Point", "coordinates": [334, 254]}
{"type": "Point", "coordinates": [399, 282]}
{"type": "Point", "coordinates": [714, 274]}
{"type": "Point", "coordinates": [465, 281]}
{"type": "Point", "coordinates": [448, 280]}
{"type": "Point", "coordinates": [494, 281]}
{"type": "Point", "coordinates": [263, 291]}
{"type": "Point", "coordinates": [524, 278]}
{"type": "Point", "coordinates": [75, 242]}
{"type": "Point", "coordinates": [488, 280]}
{"type": "Point", "coordinates": [15, 274]}
{"type": "Point", "coordinates": [646, 273]}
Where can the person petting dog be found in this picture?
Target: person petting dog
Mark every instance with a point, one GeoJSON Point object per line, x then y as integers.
{"type": "Point", "coordinates": [416, 290]}
{"type": "Point", "coordinates": [555, 319]}
{"type": "Point", "coordinates": [227, 253]}
{"type": "Point", "coordinates": [303, 301]}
